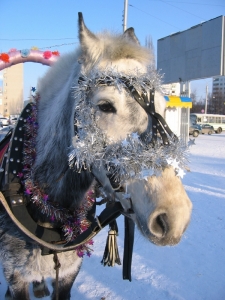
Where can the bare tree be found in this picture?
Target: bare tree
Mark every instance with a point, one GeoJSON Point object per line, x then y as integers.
{"type": "Point", "coordinates": [216, 103]}
{"type": "Point", "coordinates": [193, 96]}
{"type": "Point", "coordinates": [149, 44]}
{"type": "Point", "coordinates": [198, 106]}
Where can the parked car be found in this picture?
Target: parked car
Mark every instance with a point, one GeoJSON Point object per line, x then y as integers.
{"type": "Point", "coordinates": [3, 132]}
{"type": "Point", "coordinates": [207, 129]}
{"type": "Point", "coordinates": [195, 130]}
{"type": "Point", "coordinates": [14, 121]}
{"type": "Point", "coordinates": [5, 121]}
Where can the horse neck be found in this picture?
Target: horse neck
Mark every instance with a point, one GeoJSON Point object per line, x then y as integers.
{"type": "Point", "coordinates": [55, 132]}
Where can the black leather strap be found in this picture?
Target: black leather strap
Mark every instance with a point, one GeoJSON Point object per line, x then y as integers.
{"type": "Point", "coordinates": [12, 188]}
{"type": "Point", "coordinates": [128, 247]}
{"type": "Point", "coordinates": [159, 125]}
{"type": "Point", "coordinates": [4, 145]}
{"type": "Point", "coordinates": [110, 213]}
{"type": "Point", "coordinates": [158, 122]}
{"type": "Point", "coordinates": [19, 203]}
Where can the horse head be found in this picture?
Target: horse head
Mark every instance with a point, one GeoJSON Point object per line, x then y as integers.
{"type": "Point", "coordinates": [161, 205]}
{"type": "Point", "coordinates": [97, 86]}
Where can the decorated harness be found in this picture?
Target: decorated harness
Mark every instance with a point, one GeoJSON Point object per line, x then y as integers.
{"type": "Point", "coordinates": [17, 158]}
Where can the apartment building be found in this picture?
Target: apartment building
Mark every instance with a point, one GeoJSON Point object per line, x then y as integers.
{"type": "Point", "coordinates": [11, 90]}
{"type": "Point", "coordinates": [171, 89]}
{"type": "Point", "coordinates": [218, 86]}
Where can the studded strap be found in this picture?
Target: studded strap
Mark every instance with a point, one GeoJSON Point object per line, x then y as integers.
{"type": "Point", "coordinates": [159, 125]}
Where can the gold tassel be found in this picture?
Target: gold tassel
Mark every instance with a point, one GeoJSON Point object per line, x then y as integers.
{"type": "Point", "coordinates": [111, 253]}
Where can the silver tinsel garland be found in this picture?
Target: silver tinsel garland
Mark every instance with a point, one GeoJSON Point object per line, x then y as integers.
{"type": "Point", "coordinates": [133, 157]}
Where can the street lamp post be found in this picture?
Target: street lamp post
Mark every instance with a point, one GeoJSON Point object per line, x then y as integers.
{"type": "Point", "coordinates": [125, 15]}
{"type": "Point", "coordinates": [206, 99]}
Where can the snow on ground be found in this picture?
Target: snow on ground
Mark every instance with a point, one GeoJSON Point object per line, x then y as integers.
{"type": "Point", "coordinates": [192, 270]}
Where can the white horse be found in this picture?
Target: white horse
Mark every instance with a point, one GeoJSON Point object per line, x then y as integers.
{"type": "Point", "coordinates": [161, 207]}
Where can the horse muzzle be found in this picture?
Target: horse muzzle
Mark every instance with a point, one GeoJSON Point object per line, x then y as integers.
{"type": "Point", "coordinates": [165, 230]}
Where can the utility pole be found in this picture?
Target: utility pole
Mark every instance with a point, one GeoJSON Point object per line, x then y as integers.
{"type": "Point", "coordinates": [206, 99]}
{"type": "Point", "coordinates": [125, 15]}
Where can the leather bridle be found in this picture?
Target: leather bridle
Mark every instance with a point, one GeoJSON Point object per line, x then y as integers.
{"type": "Point", "coordinates": [146, 99]}
{"type": "Point", "coordinates": [15, 202]}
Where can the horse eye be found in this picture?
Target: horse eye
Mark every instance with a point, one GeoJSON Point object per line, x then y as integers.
{"type": "Point", "coordinates": [107, 108]}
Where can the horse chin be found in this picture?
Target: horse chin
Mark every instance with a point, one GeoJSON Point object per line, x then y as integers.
{"type": "Point", "coordinates": [165, 242]}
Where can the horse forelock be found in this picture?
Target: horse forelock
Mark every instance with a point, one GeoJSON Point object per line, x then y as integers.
{"type": "Point", "coordinates": [111, 48]}
{"type": "Point", "coordinates": [116, 47]}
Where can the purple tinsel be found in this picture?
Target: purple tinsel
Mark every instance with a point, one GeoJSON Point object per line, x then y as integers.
{"type": "Point", "coordinates": [73, 223]}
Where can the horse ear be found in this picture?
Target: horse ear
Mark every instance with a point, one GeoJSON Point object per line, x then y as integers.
{"type": "Point", "coordinates": [87, 39]}
{"type": "Point", "coordinates": [130, 35]}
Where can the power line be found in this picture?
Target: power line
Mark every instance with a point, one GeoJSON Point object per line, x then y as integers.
{"type": "Point", "coordinates": [166, 2]}
{"type": "Point", "coordinates": [195, 3]}
{"type": "Point", "coordinates": [181, 9]}
{"type": "Point", "coordinates": [154, 16]}
{"type": "Point", "coordinates": [53, 46]}
{"type": "Point", "coordinates": [59, 45]}
{"type": "Point", "coordinates": [60, 39]}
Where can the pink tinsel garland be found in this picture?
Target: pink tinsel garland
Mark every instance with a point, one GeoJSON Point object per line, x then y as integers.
{"type": "Point", "coordinates": [73, 223]}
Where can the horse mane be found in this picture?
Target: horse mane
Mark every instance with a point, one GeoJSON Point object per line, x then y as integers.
{"type": "Point", "coordinates": [56, 128]}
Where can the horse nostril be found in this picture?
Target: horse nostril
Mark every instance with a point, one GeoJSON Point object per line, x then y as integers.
{"type": "Point", "coordinates": [159, 225]}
